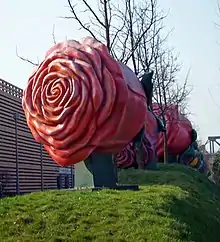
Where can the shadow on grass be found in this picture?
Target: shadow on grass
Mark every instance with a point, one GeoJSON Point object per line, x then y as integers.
{"type": "Point", "coordinates": [202, 224]}
{"type": "Point", "coordinates": [198, 210]}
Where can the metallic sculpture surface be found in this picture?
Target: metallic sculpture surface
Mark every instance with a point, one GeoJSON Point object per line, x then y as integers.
{"type": "Point", "coordinates": [80, 100]}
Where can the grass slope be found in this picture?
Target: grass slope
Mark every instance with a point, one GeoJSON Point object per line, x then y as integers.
{"type": "Point", "coordinates": [174, 204]}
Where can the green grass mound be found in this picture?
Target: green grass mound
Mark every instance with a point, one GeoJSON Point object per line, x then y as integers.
{"type": "Point", "coordinates": [174, 204]}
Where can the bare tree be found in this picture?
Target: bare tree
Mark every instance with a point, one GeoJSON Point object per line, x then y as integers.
{"type": "Point", "coordinates": [124, 29]}
{"type": "Point", "coordinates": [167, 89]}
{"type": "Point", "coordinates": [125, 26]}
{"type": "Point", "coordinates": [153, 54]}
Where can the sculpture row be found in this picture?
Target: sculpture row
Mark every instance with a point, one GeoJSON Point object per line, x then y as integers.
{"type": "Point", "coordinates": [83, 105]}
{"type": "Point", "coordinates": [181, 143]}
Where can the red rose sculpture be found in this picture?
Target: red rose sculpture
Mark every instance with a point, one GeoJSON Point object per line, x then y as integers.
{"type": "Point", "coordinates": [129, 156]}
{"type": "Point", "coordinates": [81, 100]}
{"type": "Point", "coordinates": [179, 131]}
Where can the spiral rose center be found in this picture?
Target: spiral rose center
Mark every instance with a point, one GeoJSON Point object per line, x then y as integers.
{"type": "Point", "coordinates": [55, 90]}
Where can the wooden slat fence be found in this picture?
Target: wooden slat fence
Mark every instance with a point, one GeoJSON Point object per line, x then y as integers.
{"type": "Point", "coordinates": [24, 164]}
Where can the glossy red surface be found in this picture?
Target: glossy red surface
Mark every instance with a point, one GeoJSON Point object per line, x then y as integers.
{"type": "Point", "coordinates": [128, 157]}
{"type": "Point", "coordinates": [81, 100]}
{"type": "Point", "coordinates": [179, 130]}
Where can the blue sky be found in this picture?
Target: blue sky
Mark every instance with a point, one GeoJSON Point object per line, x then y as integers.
{"type": "Point", "coordinates": [29, 24]}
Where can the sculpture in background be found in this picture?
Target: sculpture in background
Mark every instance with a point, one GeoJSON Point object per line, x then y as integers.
{"type": "Point", "coordinates": [194, 158]}
{"type": "Point", "coordinates": [181, 142]}
{"type": "Point", "coordinates": [181, 139]}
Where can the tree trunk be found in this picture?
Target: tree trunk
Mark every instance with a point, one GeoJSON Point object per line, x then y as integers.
{"type": "Point", "coordinates": [165, 148]}
{"type": "Point", "coordinates": [107, 25]}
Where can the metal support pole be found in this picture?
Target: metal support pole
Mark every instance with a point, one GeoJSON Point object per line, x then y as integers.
{"type": "Point", "coordinates": [41, 167]}
{"type": "Point", "coordinates": [213, 147]}
{"type": "Point", "coordinates": [16, 117]}
{"type": "Point", "coordinates": [210, 147]}
{"type": "Point", "coordinates": [72, 178]}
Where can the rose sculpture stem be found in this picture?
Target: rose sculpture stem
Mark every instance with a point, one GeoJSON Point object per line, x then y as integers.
{"type": "Point", "coordinates": [102, 168]}
{"type": "Point", "coordinates": [105, 173]}
{"type": "Point", "coordinates": [80, 100]}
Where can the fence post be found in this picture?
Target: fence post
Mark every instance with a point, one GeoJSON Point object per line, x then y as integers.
{"type": "Point", "coordinates": [41, 167]}
{"type": "Point", "coordinates": [16, 118]}
{"type": "Point", "coordinates": [72, 178]}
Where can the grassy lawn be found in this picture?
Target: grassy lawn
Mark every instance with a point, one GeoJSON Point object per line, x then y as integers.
{"type": "Point", "coordinates": [174, 204]}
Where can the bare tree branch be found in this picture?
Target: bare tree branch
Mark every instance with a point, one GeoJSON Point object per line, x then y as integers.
{"type": "Point", "coordinates": [75, 17]}
{"type": "Point", "coordinates": [107, 24]}
{"type": "Point", "coordinates": [26, 59]}
{"type": "Point", "coordinates": [53, 35]}
{"type": "Point", "coordinates": [93, 12]}
{"type": "Point", "coordinates": [133, 35]}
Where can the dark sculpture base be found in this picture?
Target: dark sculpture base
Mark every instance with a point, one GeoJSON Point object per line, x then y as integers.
{"type": "Point", "coordinates": [105, 173]}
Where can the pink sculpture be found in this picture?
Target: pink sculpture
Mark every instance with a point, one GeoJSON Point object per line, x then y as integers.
{"type": "Point", "coordinates": [144, 154]}
{"type": "Point", "coordinates": [181, 142]}
{"type": "Point", "coordinates": [80, 100]}
{"type": "Point", "coordinates": [179, 131]}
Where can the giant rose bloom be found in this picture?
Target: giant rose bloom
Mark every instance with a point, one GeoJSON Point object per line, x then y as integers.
{"type": "Point", "coordinates": [81, 100]}
{"type": "Point", "coordinates": [179, 131]}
